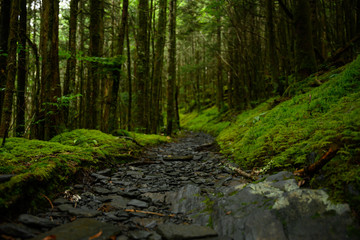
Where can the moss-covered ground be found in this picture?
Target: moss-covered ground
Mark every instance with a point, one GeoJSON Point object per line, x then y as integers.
{"type": "Point", "coordinates": [291, 133]}
{"type": "Point", "coordinates": [45, 167]}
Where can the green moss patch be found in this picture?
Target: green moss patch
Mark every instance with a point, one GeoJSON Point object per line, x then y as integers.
{"type": "Point", "coordinates": [45, 167]}
{"type": "Point", "coordinates": [297, 132]}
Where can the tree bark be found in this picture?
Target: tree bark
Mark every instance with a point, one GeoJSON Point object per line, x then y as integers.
{"type": "Point", "coordinates": [172, 69]}
{"type": "Point", "coordinates": [22, 72]}
{"type": "Point", "coordinates": [158, 68]}
{"type": "Point", "coordinates": [50, 114]}
{"type": "Point", "coordinates": [69, 82]}
{"type": "Point", "coordinates": [4, 36]}
{"type": "Point", "coordinates": [219, 77]}
{"type": "Point", "coordinates": [95, 50]}
{"type": "Point", "coordinates": [271, 46]}
{"type": "Point", "coordinates": [142, 67]}
{"type": "Point", "coordinates": [305, 62]}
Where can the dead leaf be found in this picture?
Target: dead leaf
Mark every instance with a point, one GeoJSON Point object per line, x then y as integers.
{"type": "Point", "coordinates": [301, 182]}
{"type": "Point", "coordinates": [73, 219]}
{"type": "Point", "coordinates": [96, 235]}
{"type": "Point", "coordinates": [50, 237]}
{"type": "Point", "coordinates": [7, 237]}
{"type": "Point", "coordinates": [228, 213]}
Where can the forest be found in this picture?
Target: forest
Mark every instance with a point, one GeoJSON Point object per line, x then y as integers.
{"type": "Point", "coordinates": [93, 84]}
{"type": "Point", "coordinates": [134, 64]}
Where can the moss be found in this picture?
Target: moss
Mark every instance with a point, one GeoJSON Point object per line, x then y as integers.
{"type": "Point", "coordinates": [45, 167]}
{"type": "Point", "coordinates": [283, 134]}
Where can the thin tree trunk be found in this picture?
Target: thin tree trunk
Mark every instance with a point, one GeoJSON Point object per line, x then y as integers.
{"type": "Point", "coordinates": [219, 78]}
{"type": "Point", "coordinates": [69, 82]}
{"type": "Point", "coordinates": [171, 84]}
{"type": "Point", "coordinates": [22, 72]}
{"type": "Point", "coordinates": [129, 126]}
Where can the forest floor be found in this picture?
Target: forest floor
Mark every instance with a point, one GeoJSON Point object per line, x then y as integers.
{"type": "Point", "coordinates": [184, 190]}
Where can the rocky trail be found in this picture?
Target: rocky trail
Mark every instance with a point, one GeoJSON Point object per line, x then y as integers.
{"type": "Point", "coordinates": [181, 190]}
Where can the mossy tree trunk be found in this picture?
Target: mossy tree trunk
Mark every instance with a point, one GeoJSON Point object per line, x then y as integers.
{"type": "Point", "coordinates": [10, 69]}
{"type": "Point", "coordinates": [142, 67]}
{"type": "Point", "coordinates": [219, 73]}
{"type": "Point", "coordinates": [51, 122]}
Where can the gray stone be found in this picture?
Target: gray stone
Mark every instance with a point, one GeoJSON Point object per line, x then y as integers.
{"type": "Point", "coordinates": [138, 203]}
{"type": "Point", "coordinates": [186, 200]}
{"type": "Point", "coordinates": [17, 230]}
{"type": "Point", "coordinates": [139, 234]}
{"type": "Point", "coordinates": [101, 190]}
{"type": "Point", "coordinates": [34, 221]}
{"type": "Point", "coordinates": [105, 172]}
{"type": "Point", "coordinates": [263, 225]}
{"type": "Point", "coordinates": [118, 201]}
{"type": "Point", "coordinates": [173, 231]}
{"type": "Point", "coordinates": [61, 201]}
{"type": "Point", "coordinates": [79, 212]}
{"type": "Point", "coordinates": [280, 176]}
{"type": "Point", "coordinates": [82, 229]}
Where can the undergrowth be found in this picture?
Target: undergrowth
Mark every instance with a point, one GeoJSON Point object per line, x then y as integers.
{"type": "Point", "coordinates": [297, 132]}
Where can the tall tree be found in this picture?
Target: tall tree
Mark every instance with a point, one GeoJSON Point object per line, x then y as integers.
{"type": "Point", "coordinates": [305, 62]}
{"type": "Point", "coordinates": [112, 103]}
{"type": "Point", "coordinates": [271, 47]}
{"type": "Point", "coordinates": [10, 69]}
{"type": "Point", "coordinates": [171, 83]}
{"type": "Point", "coordinates": [95, 50]}
{"type": "Point", "coordinates": [51, 121]}
{"type": "Point", "coordinates": [22, 71]}
{"type": "Point", "coordinates": [69, 82]}
{"type": "Point", "coordinates": [219, 77]}
{"type": "Point", "coordinates": [158, 68]}
{"type": "Point", "coordinates": [4, 36]}
{"type": "Point", "coordinates": [142, 66]}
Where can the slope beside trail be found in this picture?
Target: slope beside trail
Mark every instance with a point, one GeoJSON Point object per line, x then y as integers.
{"type": "Point", "coordinates": [182, 190]}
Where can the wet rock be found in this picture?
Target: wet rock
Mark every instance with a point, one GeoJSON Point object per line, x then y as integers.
{"type": "Point", "coordinates": [178, 158]}
{"type": "Point", "coordinates": [173, 231]}
{"type": "Point", "coordinates": [17, 230]}
{"type": "Point", "coordinates": [82, 229]}
{"type": "Point", "coordinates": [105, 172]}
{"type": "Point", "coordinates": [186, 200]}
{"type": "Point", "coordinates": [101, 190]}
{"type": "Point", "coordinates": [139, 235]}
{"type": "Point", "coordinates": [34, 221]}
{"type": "Point", "coordinates": [99, 177]}
{"type": "Point", "coordinates": [79, 212]}
{"type": "Point", "coordinates": [138, 203]}
{"type": "Point", "coordinates": [61, 201]}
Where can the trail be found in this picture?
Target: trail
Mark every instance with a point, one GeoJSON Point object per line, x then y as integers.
{"type": "Point", "coordinates": [176, 191]}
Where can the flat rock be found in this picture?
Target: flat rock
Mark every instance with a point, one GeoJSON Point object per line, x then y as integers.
{"type": "Point", "coordinates": [82, 229]}
{"type": "Point", "coordinates": [79, 212]}
{"type": "Point", "coordinates": [179, 158]}
{"type": "Point", "coordinates": [138, 203]}
{"type": "Point", "coordinates": [174, 232]}
{"type": "Point", "coordinates": [34, 221]}
{"type": "Point", "coordinates": [139, 234]}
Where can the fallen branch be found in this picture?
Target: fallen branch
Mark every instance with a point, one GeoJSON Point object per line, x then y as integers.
{"type": "Point", "coordinates": [241, 172]}
{"type": "Point", "coordinates": [133, 140]}
{"type": "Point", "coordinates": [52, 206]}
{"type": "Point", "coordinates": [151, 213]}
{"type": "Point", "coordinates": [315, 167]}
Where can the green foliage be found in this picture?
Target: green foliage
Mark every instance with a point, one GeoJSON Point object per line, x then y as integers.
{"type": "Point", "coordinates": [274, 136]}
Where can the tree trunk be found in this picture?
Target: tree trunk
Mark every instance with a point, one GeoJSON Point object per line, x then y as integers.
{"type": "Point", "coordinates": [22, 72]}
{"type": "Point", "coordinates": [171, 84]}
{"type": "Point", "coordinates": [10, 70]}
{"type": "Point", "coordinates": [52, 122]}
{"type": "Point", "coordinates": [271, 46]}
{"type": "Point", "coordinates": [4, 36]}
{"type": "Point", "coordinates": [158, 68]}
{"type": "Point", "coordinates": [142, 66]}
{"type": "Point", "coordinates": [305, 62]}
{"type": "Point", "coordinates": [112, 102]}
{"type": "Point", "coordinates": [95, 50]}
{"type": "Point", "coordinates": [69, 82]}
{"type": "Point", "coordinates": [219, 78]}
{"type": "Point", "coordinates": [129, 125]}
